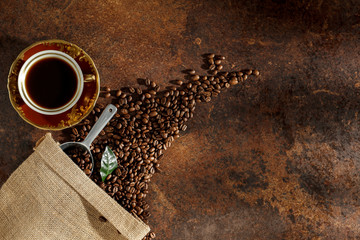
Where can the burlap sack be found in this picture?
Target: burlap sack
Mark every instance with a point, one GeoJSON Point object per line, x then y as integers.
{"type": "Point", "coordinates": [49, 197]}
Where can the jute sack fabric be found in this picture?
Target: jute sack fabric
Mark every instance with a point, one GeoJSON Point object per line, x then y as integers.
{"type": "Point", "coordinates": [49, 197]}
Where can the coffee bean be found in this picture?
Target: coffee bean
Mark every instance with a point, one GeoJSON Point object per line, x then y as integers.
{"type": "Point", "coordinates": [75, 131]}
{"type": "Point", "coordinates": [124, 111]}
{"type": "Point", "coordinates": [179, 82]}
{"type": "Point", "coordinates": [195, 77]}
{"type": "Point", "coordinates": [192, 72]}
{"type": "Point", "coordinates": [118, 93]}
{"type": "Point", "coordinates": [233, 81]}
{"type": "Point", "coordinates": [152, 92]}
{"type": "Point", "coordinates": [153, 84]}
{"type": "Point", "coordinates": [147, 82]}
{"type": "Point", "coordinates": [211, 55]}
{"type": "Point", "coordinates": [256, 72]}
{"type": "Point", "coordinates": [212, 67]}
{"type": "Point", "coordinates": [131, 89]}
{"type": "Point", "coordinates": [107, 89]}
{"type": "Point", "coordinates": [108, 177]}
{"type": "Point", "coordinates": [153, 114]}
{"type": "Point", "coordinates": [218, 62]}
{"type": "Point", "coordinates": [220, 57]}
{"type": "Point", "coordinates": [107, 95]}
{"type": "Point", "coordinates": [139, 91]}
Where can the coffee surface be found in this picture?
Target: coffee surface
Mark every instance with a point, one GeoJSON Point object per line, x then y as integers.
{"type": "Point", "coordinates": [51, 83]}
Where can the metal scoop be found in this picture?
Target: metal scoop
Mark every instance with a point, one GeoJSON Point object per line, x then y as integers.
{"type": "Point", "coordinates": [105, 117]}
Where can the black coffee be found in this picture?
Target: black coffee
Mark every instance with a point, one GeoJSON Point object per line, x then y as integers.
{"type": "Point", "coordinates": [51, 83]}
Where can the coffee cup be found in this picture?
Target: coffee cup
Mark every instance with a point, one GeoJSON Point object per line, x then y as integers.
{"type": "Point", "coordinates": [51, 82]}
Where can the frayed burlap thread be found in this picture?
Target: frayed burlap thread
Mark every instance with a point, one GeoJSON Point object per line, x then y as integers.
{"type": "Point", "coordinates": [49, 197]}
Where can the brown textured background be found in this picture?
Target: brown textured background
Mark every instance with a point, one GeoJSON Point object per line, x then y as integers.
{"type": "Point", "coordinates": [276, 159]}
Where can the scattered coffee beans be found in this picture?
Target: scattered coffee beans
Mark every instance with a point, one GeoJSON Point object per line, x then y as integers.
{"type": "Point", "coordinates": [81, 157]}
{"type": "Point", "coordinates": [147, 123]}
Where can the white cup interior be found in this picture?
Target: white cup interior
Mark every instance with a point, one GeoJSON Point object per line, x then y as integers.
{"type": "Point", "coordinates": [33, 60]}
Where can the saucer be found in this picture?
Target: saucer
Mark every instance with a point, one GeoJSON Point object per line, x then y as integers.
{"type": "Point", "coordinates": [83, 106]}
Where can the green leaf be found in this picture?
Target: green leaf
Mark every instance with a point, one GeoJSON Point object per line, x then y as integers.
{"type": "Point", "coordinates": [108, 163]}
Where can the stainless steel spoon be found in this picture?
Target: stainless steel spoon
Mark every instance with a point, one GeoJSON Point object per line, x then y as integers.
{"type": "Point", "coordinates": [105, 117]}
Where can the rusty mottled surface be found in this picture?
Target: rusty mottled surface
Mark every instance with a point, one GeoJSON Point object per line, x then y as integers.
{"type": "Point", "coordinates": [275, 159]}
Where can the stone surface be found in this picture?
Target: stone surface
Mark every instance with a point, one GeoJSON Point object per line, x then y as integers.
{"type": "Point", "coordinates": [275, 159]}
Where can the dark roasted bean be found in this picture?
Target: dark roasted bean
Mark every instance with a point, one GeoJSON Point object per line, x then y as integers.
{"type": "Point", "coordinates": [139, 91]}
{"type": "Point", "coordinates": [75, 131]}
{"type": "Point", "coordinates": [153, 84]}
{"type": "Point", "coordinates": [248, 72]}
{"type": "Point", "coordinates": [118, 93]}
{"type": "Point", "coordinates": [195, 77]}
{"type": "Point", "coordinates": [123, 111]}
{"type": "Point", "coordinates": [179, 82]}
{"type": "Point", "coordinates": [152, 92]}
{"type": "Point", "coordinates": [153, 114]}
{"type": "Point", "coordinates": [131, 89]}
{"type": "Point", "coordinates": [233, 81]}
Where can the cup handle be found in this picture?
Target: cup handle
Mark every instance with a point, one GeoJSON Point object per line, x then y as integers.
{"type": "Point", "coordinates": [89, 77]}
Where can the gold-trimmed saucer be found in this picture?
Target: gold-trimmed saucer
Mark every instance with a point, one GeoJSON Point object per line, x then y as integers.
{"type": "Point", "coordinates": [74, 115]}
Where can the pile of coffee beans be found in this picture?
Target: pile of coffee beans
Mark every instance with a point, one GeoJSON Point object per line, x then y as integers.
{"type": "Point", "coordinates": [81, 157]}
{"type": "Point", "coordinates": [146, 124]}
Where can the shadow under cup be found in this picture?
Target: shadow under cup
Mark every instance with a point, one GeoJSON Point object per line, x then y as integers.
{"type": "Point", "coordinates": [50, 82]}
